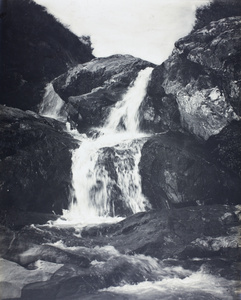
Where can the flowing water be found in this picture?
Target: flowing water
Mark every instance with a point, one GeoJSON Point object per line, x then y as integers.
{"type": "Point", "coordinates": [52, 104]}
{"type": "Point", "coordinates": [106, 188]}
{"type": "Point", "coordinates": [106, 181]}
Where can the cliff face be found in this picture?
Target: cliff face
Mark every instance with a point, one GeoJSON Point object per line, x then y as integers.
{"type": "Point", "coordinates": [203, 76]}
{"type": "Point", "coordinates": [35, 48]}
{"type": "Point", "coordinates": [200, 85]}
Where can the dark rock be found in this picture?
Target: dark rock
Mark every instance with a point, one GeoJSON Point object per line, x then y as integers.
{"type": "Point", "coordinates": [36, 159]}
{"type": "Point", "coordinates": [202, 75]}
{"type": "Point", "coordinates": [35, 48]}
{"type": "Point", "coordinates": [225, 147]}
{"type": "Point", "coordinates": [159, 110]}
{"type": "Point", "coordinates": [207, 230]}
{"type": "Point", "coordinates": [90, 89]}
{"type": "Point", "coordinates": [176, 170]}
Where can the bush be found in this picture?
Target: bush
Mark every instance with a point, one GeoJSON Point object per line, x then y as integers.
{"type": "Point", "coordinates": [215, 11]}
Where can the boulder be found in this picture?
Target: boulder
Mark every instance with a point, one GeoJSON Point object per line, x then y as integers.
{"type": "Point", "coordinates": [177, 233]}
{"type": "Point", "coordinates": [90, 89]}
{"type": "Point", "coordinates": [177, 170]}
{"type": "Point", "coordinates": [35, 161]}
{"type": "Point", "coordinates": [202, 75]}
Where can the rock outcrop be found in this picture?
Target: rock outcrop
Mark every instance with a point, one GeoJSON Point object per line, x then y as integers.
{"type": "Point", "coordinates": [178, 171]}
{"type": "Point", "coordinates": [89, 90]}
{"type": "Point", "coordinates": [35, 162]}
{"type": "Point", "coordinates": [35, 48]}
{"type": "Point", "coordinates": [203, 76]}
{"type": "Point", "coordinates": [196, 92]}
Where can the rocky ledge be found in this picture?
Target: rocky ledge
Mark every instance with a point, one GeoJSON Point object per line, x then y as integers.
{"type": "Point", "coordinates": [35, 160]}
{"type": "Point", "coordinates": [177, 170]}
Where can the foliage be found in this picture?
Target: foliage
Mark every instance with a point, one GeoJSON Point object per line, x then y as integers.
{"type": "Point", "coordinates": [216, 10]}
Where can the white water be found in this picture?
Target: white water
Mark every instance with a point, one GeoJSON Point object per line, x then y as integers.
{"type": "Point", "coordinates": [161, 280]}
{"type": "Point", "coordinates": [95, 189]}
{"type": "Point", "coordinates": [52, 104]}
{"type": "Point", "coordinates": [98, 190]}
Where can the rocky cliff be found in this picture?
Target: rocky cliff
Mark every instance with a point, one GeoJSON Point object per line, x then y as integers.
{"type": "Point", "coordinates": [35, 48]}
{"type": "Point", "coordinates": [200, 85]}
{"type": "Point", "coordinates": [203, 76]}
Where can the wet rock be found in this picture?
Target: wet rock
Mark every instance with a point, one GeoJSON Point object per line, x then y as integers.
{"type": "Point", "coordinates": [171, 233]}
{"type": "Point", "coordinates": [90, 89]}
{"type": "Point", "coordinates": [185, 239]}
{"type": "Point", "coordinates": [15, 219]}
{"type": "Point", "coordinates": [36, 159]}
{"type": "Point", "coordinates": [176, 170]}
{"type": "Point", "coordinates": [202, 75]}
{"type": "Point", "coordinates": [51, 254]}
{"type": "Point", "coordinates": [15, 277]}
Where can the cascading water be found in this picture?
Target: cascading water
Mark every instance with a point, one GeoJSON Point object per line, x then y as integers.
{"type": "Point", "coordinates": [106, 181]}
{"type": "Point", "coordinates": [102, 186]}
{"type": "Point", "coordinates": [52, 104]}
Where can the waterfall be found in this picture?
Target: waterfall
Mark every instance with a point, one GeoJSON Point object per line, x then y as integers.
{"type": "Point", "coordinates": [105, 176]}
{"type": "Point", "coordinates": [52, 104]}
{"type": "Point", "coordinates": [105, 168]}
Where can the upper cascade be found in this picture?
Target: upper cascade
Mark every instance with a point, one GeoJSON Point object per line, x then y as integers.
{"type": "Point", "coordinates": [125, 114]}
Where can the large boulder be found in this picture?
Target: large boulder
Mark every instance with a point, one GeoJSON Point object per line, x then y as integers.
{"type": "Point", "coordinates": [90, 89]}
{"type": "Point", "coordinates": [176, 170]}
{"type": "Point", "coordinates": [203, 76]}
{"type": "Point", "coordinates": [35, 162]}
{"type": "Point", "coordinates": [35, 48]}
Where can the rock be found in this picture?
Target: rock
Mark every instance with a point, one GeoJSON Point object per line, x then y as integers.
{"type": "Point", "coordinates": [90, 89]}
{"type": "Point", "coordinates": [206, 231]}
{"type": "Point", "coordinates": [160, 111]}
{"type": "Point", "coordinates": [147, 246]}
{"type": "Point", "coordinates": [225, 147]}
{"type": "Point", "coordinates": [36, 159]}
{"type": "Point", "coordinates": [202, 75]}
{"type": "Point", "coordinates": [15, 219]}
{"type": "Point", "coordinates": [177, 170]}
{"type": "Point", "coordinates": [46, 49]}
{"type": "Point", "coordinates": [15, 277]}
{"type": "Point", "coordinates": [49, 253]}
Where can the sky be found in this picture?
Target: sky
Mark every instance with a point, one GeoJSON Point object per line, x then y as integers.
{"type": "Point", "coordinates": [143, 28]}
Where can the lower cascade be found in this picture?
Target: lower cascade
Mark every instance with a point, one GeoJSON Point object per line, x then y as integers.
{"type": "Point", "coordinates": [106, 181]}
